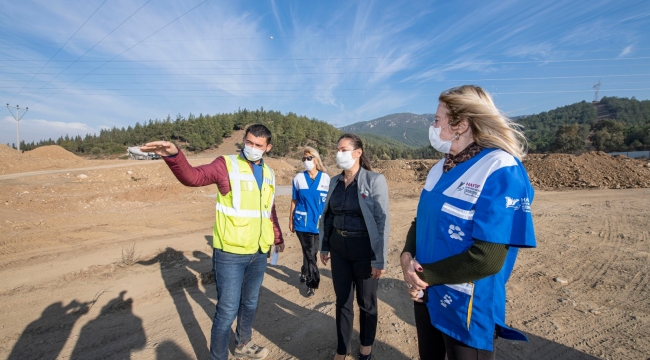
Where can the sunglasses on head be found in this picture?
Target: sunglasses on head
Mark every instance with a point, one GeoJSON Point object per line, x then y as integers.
{"type": "Point", "coordinates": [307, 158]}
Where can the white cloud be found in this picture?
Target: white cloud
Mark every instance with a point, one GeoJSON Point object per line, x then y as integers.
{"type": "Point", "coordinates": [628, 49]}
{"type": "Point", "coordinates": [39, 129]}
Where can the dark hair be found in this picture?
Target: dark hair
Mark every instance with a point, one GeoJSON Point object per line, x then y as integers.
{"type": "Point", "coordinates": [259, 130]}
{"type": "Point", "coordinates": [356, 142]}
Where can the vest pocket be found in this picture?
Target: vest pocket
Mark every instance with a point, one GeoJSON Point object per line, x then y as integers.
{"type": "Point", "coordinates": [300, 217]}
{"type": "Point", "coordinates": [455, 228]}
{"type": "Point", "coordinates": [452, 304]}
{"type": "Point", "coordinates": [247, 185]}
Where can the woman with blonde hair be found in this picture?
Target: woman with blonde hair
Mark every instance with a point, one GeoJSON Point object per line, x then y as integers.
{"type": "Point", "coordinates": [472, 217]}
{"type": "Point", "coordinates": [307, 203]}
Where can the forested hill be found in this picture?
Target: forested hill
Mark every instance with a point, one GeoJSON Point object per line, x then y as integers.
{"type": "Point", "coordinates": [407, 128]}
{"type": "Point", "coordinates": [613, 124]}
{"type": "Point", "coordinates": [197, 133]}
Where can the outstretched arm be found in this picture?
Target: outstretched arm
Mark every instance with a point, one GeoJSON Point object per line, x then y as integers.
{"type": "Point", "coordinates": [213, 173]}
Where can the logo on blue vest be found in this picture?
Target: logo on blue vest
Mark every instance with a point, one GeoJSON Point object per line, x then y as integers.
{"type": "Point", "coordinates": [455, 232]}
{"type": "Point", "coordinates": [446, 300]}
{"type": "Point", "coordinates": [512, 203]}
{"type": "Point", "coordinates": [469, 189]}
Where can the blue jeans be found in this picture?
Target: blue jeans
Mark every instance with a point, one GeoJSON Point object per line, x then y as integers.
{"type": "Point", "coordinates": [238, 279]}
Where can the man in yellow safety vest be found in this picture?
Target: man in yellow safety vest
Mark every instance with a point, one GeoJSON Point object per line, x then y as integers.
{"type": "Point", "coordinates": [245, 228]}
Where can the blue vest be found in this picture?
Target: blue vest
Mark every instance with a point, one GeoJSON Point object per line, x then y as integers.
{"type": "Point", "coordinates": [488, 198]}
{"type": "Point", "coordinates": [310, 199]}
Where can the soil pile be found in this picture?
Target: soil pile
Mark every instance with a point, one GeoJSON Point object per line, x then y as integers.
{"type": "Point", "coordinates": [284, 172]}
{"type": "Point", "coordinates": [405, 170]}
{"type": "Point", "coordinates": [41, 158]}
{"type": "Point", "coordinates": [7, 153]}
{"type": "Point", "coordinates": [551, 171]}
{"type": "Point", "coordinates": [588, 170]}
{"type": "Point", "coordinates": [53, 152]}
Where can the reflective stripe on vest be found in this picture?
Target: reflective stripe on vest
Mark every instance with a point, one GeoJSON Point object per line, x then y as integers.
{"type": "Point", "coordinates": [243, 216]}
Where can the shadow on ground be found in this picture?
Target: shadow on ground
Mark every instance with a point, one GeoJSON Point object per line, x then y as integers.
{"type": "Point", "coordinates": [183, 286]}
{"type": "Point", "coordinates": [45, 337]}
{"type": "Point", "coordinates": [299, 331]}
{"type": "Point", "coordinates": [115, 333]}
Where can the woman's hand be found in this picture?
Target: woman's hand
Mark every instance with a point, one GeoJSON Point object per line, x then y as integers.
{"type": "Point", "coordinates": [162, 148]}
{"type": "Point", "coordinates": [413, 282]}
{"type": "Point", "coordinates": [291, 226]}
{"type": "Point", "coordinates": [377, 273]}
{"type": "Point", "coordinates": [324, 258]}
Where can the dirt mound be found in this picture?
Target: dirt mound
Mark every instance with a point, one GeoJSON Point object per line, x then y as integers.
{"type": "Point", "coordinates": [227, 147]}
{"type": "Point", "coordinates": [53, 152]}
{"type": "Point", "coordinates": [7, 152]}
{"type": "Point", "coordinates": [41, 158]}
{"type": "Point", "coordinates": [284, 172]}
{"type": "Point", "coordinates": [588, 170]}
{"type": "Point", "coordinates": [404, 170]}
{"type": "Point", "coordinates": [551, 171]}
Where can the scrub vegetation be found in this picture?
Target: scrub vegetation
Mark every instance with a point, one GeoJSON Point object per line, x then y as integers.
{"type": "Point", "coordinates": [613, 124]}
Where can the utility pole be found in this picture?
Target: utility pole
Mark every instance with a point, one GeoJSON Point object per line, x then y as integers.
{"type": "Point", "coordinates": [596, 88]}
{"type": "Point", "coordinates": [17, 117]}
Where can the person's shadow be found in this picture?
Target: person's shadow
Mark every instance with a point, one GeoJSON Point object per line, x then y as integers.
{"type": "Point", "coordinates": [45, 337]}
{"type": "Point", "coordinates": [115, 333]}
{"type": "Point", "coordinates": [288, 276]}
{"type": "Point", "coordinates": [175, 272]}
{"type": "Point", "coordinates": [168, 350]}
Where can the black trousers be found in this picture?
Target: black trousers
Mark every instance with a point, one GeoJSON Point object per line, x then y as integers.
{"type": "Point", "coordinates": [351, 271]}
{"type": "Point", "coordinates": [309, 269]}
{"type": "Point", "coordinates": [434, 344]}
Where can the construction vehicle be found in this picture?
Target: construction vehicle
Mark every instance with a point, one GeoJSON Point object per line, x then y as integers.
{"type": "Point", "coordinates": [135, 153]}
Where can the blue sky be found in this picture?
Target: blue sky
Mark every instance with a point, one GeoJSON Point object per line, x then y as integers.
{"type": "Point", "coordinates": [83, 65]}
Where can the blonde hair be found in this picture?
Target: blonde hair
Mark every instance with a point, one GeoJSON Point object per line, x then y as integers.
{"type": "Point", "coordinates": [317, 161]}
{"type": "Point", "coordinates": [490, 128]}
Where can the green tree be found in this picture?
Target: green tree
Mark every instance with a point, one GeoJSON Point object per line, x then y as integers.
{"type": "Point", "coordinates": [568, 140]}
{"type": "Point", "coordinates": [608, 135]}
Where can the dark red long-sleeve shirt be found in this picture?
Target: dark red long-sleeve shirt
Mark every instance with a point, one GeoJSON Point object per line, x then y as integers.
{"type": "Point", "coordinates": [215, 172]}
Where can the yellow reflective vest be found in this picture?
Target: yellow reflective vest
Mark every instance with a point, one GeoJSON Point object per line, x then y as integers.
{"type": "Point", "coordinates": [243, 222]}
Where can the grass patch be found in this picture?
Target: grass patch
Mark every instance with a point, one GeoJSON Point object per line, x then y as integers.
{"type": "Point", "coordinates": [129, 255]}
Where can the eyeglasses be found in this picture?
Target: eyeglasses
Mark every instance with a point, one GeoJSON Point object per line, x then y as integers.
{"type": "Point", "coordinates": [307, 158]}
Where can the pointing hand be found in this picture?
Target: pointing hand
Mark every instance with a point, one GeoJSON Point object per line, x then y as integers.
{"type": "Point", "coordinates": [162, 148]}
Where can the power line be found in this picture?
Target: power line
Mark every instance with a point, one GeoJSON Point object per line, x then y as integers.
{"type": "Point", "coordinates": [84, 54]}
{"type": "Point", "coordinates": [257, 89]}
{"type": "Point", "coordinates": [291, 68]}
{"type": "Point", "coordinates": [341, 58]}
{"type": "Point", "coordinates": [302, 95]}
{"type": "Point", "coordinates": [339, 73]}
{"type": "Point", "coordinates": [306, 89]}
{"type": "Point", "coordinates": [61, 48]}
{"type": "Point", "coordinates": [335, 83]}
{"type": "Point", "coordinates": [136, 44]}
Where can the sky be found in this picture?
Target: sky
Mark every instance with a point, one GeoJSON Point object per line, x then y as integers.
{"type": "Point", "coordinates": [80, 66]}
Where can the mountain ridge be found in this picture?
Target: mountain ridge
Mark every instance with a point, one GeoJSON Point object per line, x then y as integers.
{"type": "Point", "coordinates": [408, 128]}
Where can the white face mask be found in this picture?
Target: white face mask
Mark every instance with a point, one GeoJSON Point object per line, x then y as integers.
{"type": "Point", "coordinates": [252, 153]}
{"type": "Point", "coordinates": [435, 140]}
{"type": "Point", "coordinates": [344, 160]}
{"type": "Point", "coordinates": [308, 165]}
